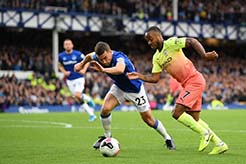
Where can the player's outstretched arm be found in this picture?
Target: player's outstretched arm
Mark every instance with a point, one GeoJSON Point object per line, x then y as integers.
{"type": "Point", "coordinates": [116, 70]}
{"type": "Point", "coordinates": [208, 56]}
{"type": "Point", "coordinates": [82, 66]}
{"type": "Point", "coordinates": [96, 66]}
{"type": "Point", "coordinates": [150, 78]}
{"type": "Point", "coordinates": [84, 69]}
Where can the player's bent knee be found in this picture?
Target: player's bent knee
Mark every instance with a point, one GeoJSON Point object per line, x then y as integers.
{"type": "Point", "coordinates": [105, 111]}
{"type": "Point", "coordinates": [77, 95]}
{"type": "Point", "coordinates": [175, 114]}
{"type": "Point", "coordinates": [178, 111]}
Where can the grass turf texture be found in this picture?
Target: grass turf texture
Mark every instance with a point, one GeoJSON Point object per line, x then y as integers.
{"type": "Point", "coordinates": [43, 138]}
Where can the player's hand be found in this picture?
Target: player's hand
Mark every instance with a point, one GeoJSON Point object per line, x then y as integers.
{"type": "Point", "coordinates": [211, 56]}
{"type": "Point", "coordinates": [76, 67]}
{"type": "Point", "coordinates": [67, 73]}
{"type": "Point", "coordinates": [82, 72]}
{"type": "Point", "coordinates": [96, 66]}
{"type": "Point", "coordinates": [133, 75]}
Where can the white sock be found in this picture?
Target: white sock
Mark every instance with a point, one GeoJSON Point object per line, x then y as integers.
{"type": "Point", "coordinates": [106, 123]}
{"type": "Point", "coordinates": [88, 109]}
{"type": "Point", "coordinates": [159, 127]}
{"type": "Point", "coordinates": [86, 98]}
{"type": "Point", "coordinates": [73, 108]}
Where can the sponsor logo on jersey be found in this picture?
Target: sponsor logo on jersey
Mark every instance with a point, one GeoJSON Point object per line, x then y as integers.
{"type": "Point", "coordinates": [69, 62]}
{"type": "Point", "coordinates": [169, 59]}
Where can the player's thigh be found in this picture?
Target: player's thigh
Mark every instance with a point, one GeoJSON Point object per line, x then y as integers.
{"type": "Point", "coordinates": [71, 86]}
{"type": "Point", "coordinates": [190, 97]}
{"type": "Point", "coordinates": [140, 99]}
{"type": "Point", "coordinates": [79, 85]}
{"type": "Point", "coordinates": [109, 103]}
{"type": "Point", "coordinates": [76, 85]}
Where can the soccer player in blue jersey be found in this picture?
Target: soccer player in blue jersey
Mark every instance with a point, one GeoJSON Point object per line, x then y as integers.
{"type": "Point", "coordinates": [116, 65]}
{"type": "Point", "coordinates": [74, 80]}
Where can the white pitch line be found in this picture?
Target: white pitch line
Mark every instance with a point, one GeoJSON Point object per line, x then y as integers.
{"type": "Point", "coordinates": [66, 125]}
{"type": "Point", "coordinates": [223, 131]}
{"type": "Point", "coordinates": [181, 130]}
{"type": "Point", "coordinates": [30, 126]}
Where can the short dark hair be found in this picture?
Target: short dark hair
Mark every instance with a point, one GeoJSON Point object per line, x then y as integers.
{"type": "Point", "coordinates": [154, 28]}
{"type": "Point", "coordinates": [68, 39]}
{"type": "Point", "coordinates": [101, 47]}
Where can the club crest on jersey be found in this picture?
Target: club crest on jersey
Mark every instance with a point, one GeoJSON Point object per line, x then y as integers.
{"type": "Point", "coordinates": [165, 52]}
{"type": "Point", "coordinates": [64, 58]}
{"type": "Point", "coordinates": [74, 57]}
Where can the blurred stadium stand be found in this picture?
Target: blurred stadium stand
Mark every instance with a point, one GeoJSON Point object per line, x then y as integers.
{"type": "Point", "coordinates": [32, 33]}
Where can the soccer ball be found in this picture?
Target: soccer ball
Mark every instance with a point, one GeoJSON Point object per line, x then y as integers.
{"type": "Point", "coordinates": [110, 147]}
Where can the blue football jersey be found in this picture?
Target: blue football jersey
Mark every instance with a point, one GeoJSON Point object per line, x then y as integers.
{"type": "Point", "coordinates": [69, 60]}
{"type": "Point", "coordinates": [132, 86]}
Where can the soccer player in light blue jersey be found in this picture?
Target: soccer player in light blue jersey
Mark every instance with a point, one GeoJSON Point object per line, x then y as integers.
{"type": "Point", "coordinates": [116, 65]}
{"type": "Point", "coordinates": [74, 80]}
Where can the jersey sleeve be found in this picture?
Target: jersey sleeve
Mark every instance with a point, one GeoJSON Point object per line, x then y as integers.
{"type": "Point", "coordinates": [94, 56]}
{"type": "Point", "coordinates": [176, 43]}
{"type": "Point", "coordinates": [82, 56]}
{"type": "Point", "coordinates": [156, 66]}
{"type": "Point", "coordinates": [120, 60]}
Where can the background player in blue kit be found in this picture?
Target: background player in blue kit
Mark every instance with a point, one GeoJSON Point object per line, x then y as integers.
{"type": "Point", "coordinates": [74, 80]}
{"type": "Point", "coordinates": [116, 65]}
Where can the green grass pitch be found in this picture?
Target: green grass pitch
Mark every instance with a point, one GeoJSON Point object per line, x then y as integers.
{"type": "Point", "coordinates": [44, 139]}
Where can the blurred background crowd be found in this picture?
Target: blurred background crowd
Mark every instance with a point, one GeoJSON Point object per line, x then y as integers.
{"type": "Point", "coordinates": [26, 49]}
{"type": "Point", "coordinates": [227, 11]}
{"type": "Point", "coordinates": [225, 77]}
